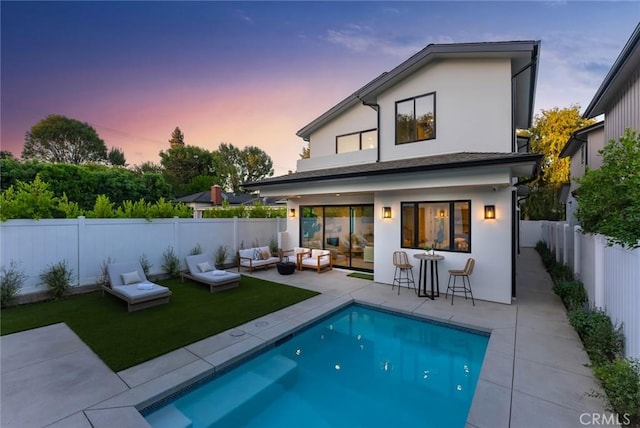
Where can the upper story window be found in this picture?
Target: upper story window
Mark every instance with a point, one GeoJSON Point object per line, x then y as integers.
{"type": "Point", "coordinates": [416, 119]}
{"type": "Point", "coordinates": [445, 225]}
{"type": "Point", "coordinates": [357, 141]}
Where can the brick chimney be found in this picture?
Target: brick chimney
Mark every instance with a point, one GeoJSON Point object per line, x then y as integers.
{"type": "Point", "coordinates": [216, 195]}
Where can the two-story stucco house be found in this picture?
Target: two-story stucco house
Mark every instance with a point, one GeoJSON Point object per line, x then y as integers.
{"type": "Point", "coordinates": [417, 157]}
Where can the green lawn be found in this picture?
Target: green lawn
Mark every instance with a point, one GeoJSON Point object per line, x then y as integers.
{"type": "Point", "coordinates": [361, 275]}
{"type": "Point", "coordinates": [123, 339]}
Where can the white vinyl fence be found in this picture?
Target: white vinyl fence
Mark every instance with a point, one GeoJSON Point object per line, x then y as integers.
{"type": "Point", "coordinates": [85, 244]}
{"type": "Point", "coordinates": [610, 275]}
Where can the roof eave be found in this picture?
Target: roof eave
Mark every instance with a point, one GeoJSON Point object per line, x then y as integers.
{"type": "Point", "coordinates": [624, 62]}
{"type": "Point", "coordinates": [526, 158]}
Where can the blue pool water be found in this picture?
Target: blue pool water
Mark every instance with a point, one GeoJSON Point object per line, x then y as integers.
{"type": "Point", "coordinates": [358, 367]}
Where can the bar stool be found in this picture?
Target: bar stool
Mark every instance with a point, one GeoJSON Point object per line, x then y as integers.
{"type": "Point", "coordinates": [401, 262]}
{"type": "Point", "coordinates": [466, 285]}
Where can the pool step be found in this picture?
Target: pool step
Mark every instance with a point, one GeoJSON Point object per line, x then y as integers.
{"type": "Point", "coordinates": [169, 417]}
{"type": "Point", "coordinates": [225, 396]}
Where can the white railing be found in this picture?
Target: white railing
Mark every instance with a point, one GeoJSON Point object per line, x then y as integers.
{"type": "Point", "coordinates": [610, 274]}
{"type": "Point", "coordinates": [86, 243]}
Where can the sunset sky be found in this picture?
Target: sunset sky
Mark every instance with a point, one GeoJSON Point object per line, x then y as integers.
{"type": "Point", "coordinates": [253, 73]}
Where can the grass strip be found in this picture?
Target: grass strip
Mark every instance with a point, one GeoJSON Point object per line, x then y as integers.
{"type": "Point", "coordinates": [361, 275]}
{"type": "Point", "coordinates": [123, 339]}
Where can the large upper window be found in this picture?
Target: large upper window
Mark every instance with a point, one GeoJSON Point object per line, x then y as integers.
{"type": "Point", "coordinates": [357, 141]}
{"type": "Point", "coordinates": [416, 119]}
{"type": "Point", "coordinates": [445, 225]}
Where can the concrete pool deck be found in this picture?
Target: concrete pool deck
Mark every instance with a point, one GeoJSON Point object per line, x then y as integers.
{"type": "Point", "coordinates": [534, 372]}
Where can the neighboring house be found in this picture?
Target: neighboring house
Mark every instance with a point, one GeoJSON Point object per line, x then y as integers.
{"type": "Point", "coordinates": [424, 153]}
{"type": "Point", "coordinates": [206, 200]}
{"type": "Point", "coordinates": [582, 150]}
{"type": "Point", "coordinates": [618, 99]}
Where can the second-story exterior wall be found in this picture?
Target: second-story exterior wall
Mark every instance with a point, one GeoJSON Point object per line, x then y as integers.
{"type": "Point", "coordinates": [472, 105]}
{"type": "Point", "coordinates": [585, 157]}
{"type": "Point", "coordinates": [625, 111]}
{"type": "Point", "coordinates": [358, 118]}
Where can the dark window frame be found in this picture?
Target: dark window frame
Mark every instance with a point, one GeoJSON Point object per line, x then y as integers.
{"type": "Point", "coordinates": [415, 130]}
{"type": "Point", "coordinates": [416, 223]}
{"type": "Point", "coordinates": [359, 133]}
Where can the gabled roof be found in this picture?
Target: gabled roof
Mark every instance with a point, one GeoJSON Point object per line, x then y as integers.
{"type": "Point", "coordinates": [627, 63]}
{"type": "Point", "coordinates": [578, 138]}
{"type": "Point", "coordinates": [402, 166]}
{"type": "Point", "coordinates": [524, 56]}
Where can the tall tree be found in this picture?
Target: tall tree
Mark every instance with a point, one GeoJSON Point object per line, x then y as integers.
{"type": "Point", "coordinates": [235, 166]}
{"type": "Point", "coordinates": [306, 152]}
{"type": "Point", "coordinates": [61, 139]}
{"type": "Point", "coordinates": [550, 132]}
{"type": "Point", "coordinates": [182, 163]}
{"type": "Point", "coordinates": [177, 138]}
{"type": "Point", "coordinates": [116, 157]}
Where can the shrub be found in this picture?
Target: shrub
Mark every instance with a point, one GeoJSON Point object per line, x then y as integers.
{"type": "Point", "coordinates": [196, 250]}
{"type": "Point", "coordinates": [621, 382]}
{"type": "Point", "coordinates": [11, 280]}
{"type": "Point", "coordinates": [145, 263]}
{"type": "Point", "coordinates": [273, 246]}
{"type": "Point", "coordinates": [103, 208]}
{"type": "Point", "coordinates": [30, 200]}
{"type": "Point", "coordinates": [221, 255]}
{"type": "Point", "coordinates": [58, 278]}
{"type": "Point", "coordinates": [104, 274]}
{"type": "Point", "coordinates": [171, 262]}
{"type": "Point", "coordinates": [602, 340]}
{"type": "Point", "coordinates": [560, 272]}
{"type": "Point", "coordinates": [572, 294]}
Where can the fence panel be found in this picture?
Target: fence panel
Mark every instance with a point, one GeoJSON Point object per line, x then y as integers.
{"type": "Point", "coordinates": [530, 232]}
{"type": "Point", "coordinates": [622, 293]}
{"type": "Point", "coordinates": [88, 243]}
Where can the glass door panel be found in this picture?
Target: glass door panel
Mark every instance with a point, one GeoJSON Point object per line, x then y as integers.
{"type": "Point", "coordinates": [362, 237]}
{"type": "Point", "coordinates": [336, 231]}
{"type": "Point", "coordinates": [311, 223]}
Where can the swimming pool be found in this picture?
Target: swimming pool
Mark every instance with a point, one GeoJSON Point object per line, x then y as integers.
{"type": "Point", "coordinates": [357, 367]}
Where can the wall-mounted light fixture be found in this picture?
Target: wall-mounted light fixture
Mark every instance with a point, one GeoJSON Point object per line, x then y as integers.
{"type": "Point", "coordinates": [442, 214]}
{"type": "Point", "coordinates": [386, 212]}
{"type": "Point", "coordinates": [292, 212]}
{"type": "Point", "coordinates": [489, 212]}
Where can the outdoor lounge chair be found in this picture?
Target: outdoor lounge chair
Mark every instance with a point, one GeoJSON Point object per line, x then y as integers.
{"type": "Point", "coordinates": [315, 259]}
{"type": "Point", "coordinates": [201, 269]}
{"type": "Point", "coordinates": [129, 283]}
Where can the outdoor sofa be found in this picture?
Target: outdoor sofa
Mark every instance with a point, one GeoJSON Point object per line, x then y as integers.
{"type": "Point", "coordinates": [128, 282]}
{"type": "Point", "coordinates": [256, 258]}
{"type": "Point", "coordinates": [201, 269]}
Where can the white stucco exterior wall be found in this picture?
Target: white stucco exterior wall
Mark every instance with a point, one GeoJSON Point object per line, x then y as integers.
{"type": "Point", "coordinates": [490, 241]}
{"type": "Point", "coordinates": [473, 108]}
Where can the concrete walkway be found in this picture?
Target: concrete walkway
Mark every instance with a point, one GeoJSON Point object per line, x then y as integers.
{"type": "Point", "coordinates": [534, 373]}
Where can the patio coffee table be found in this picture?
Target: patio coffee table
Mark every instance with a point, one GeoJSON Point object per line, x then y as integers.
{"type": "Point", "coordinates": [286, 268]}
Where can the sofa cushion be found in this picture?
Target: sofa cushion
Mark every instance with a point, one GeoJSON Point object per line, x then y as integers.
{"type": "Point", "coordinates": [248, 253]}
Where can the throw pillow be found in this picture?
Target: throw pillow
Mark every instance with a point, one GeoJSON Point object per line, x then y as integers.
{"type": "Point", "coordinates": [205, 267]}
{"type": "Point", "coordinates": [257, 254]}
{"type": "Point", "coordinates": [265, 254]}
{"type": "Point", "coordinates": [131, 278]}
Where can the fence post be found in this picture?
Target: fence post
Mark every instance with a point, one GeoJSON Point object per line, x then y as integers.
{"type": "Point", "coordinates": [577, 244]}
{"type": "Point", "coordinates": [235, 235]}
{"type": "Point", "coordinates": [599, 244]}
{"type": "Point", "coordinates": [565, 245]}
{"type": "Point", "coordinates": [82, 247]}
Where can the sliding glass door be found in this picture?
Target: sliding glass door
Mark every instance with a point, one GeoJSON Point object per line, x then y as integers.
{"type": "Point", "coordinates": [345, 230]}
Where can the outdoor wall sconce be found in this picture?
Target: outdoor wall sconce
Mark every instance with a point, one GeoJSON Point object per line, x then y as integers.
{"type": "Point", "coordinates": [386, 212]}
{"type": "Point", "coordinates": [292, 212]}
{"type": "Point", "coordinates": [442, 214]}
{"type": "Point", "coordinates": [489, 212]}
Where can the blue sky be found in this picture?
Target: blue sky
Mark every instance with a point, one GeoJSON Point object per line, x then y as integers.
{"type": "Point", "coordinates": [253, 73]}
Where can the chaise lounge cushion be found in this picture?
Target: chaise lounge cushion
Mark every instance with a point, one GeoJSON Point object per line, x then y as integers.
{"type": "Point", "coordinates": [216, 279]}
{"type": "Point", "coordinates": [138, 294]}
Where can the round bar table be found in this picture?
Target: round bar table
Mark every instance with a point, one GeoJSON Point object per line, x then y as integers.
{"type": "Point", "coordinates": [422, 279]}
